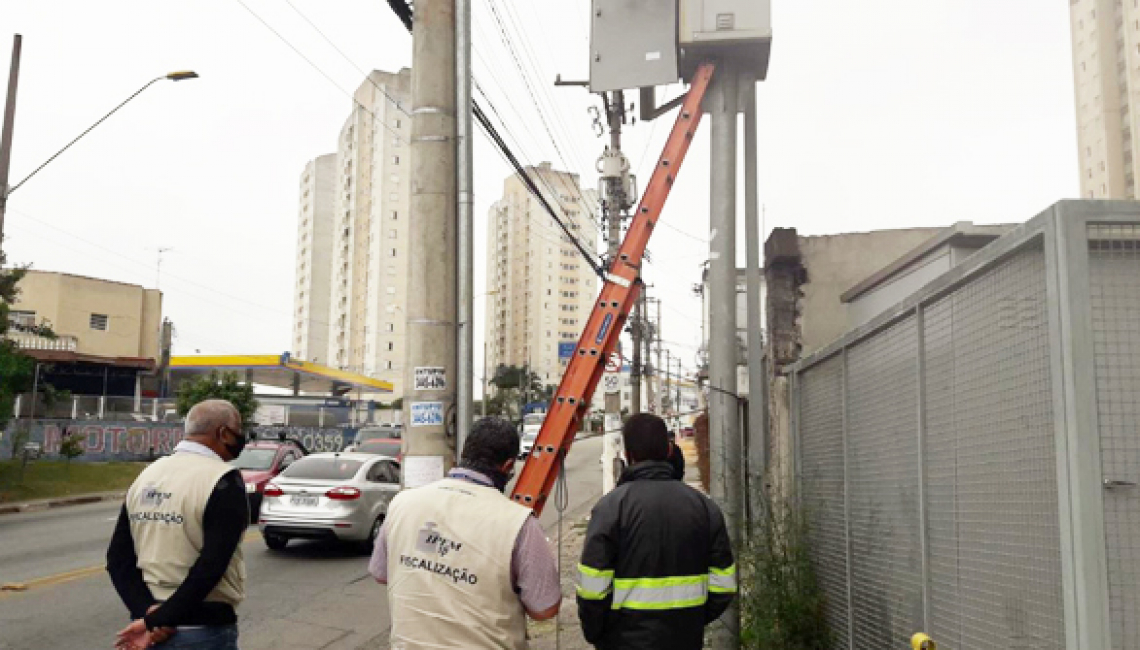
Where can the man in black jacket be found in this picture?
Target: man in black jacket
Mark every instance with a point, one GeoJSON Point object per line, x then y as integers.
{"type": "Point", "coordinates": [676, 458]}
{"type": "Point", "coordinates": [657, 564]}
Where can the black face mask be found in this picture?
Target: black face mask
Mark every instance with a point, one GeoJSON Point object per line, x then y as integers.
{"type": "Point", "coordinates": [234, 449]}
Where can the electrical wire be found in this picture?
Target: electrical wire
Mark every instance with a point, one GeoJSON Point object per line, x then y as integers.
{"type": "Point", "coordinates": [319, 69]}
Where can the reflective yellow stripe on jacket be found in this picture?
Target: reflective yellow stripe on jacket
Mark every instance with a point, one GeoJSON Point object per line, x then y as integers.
{"type": "Point", "coordinates": [722, 581]}
{"type": "Point", "coordinates": [594, 584]}
{"type": "Point", "coordinates": [660, 593]}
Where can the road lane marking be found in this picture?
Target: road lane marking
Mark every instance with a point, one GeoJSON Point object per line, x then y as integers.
{"type": "Point", "coordinates": [14, 588]}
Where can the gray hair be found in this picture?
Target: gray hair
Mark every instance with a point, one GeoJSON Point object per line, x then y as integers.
{"type": "Point", "coordinates": [209, 415]}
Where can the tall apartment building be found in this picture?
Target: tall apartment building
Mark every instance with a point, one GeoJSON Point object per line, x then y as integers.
{"type": "Point", "coordinates": [315, 223]}
{"type": "Point", "coordinates": [1106, 71]}
{"type": "Point", "coordinates": [539, 289]}
{"type": "Point", "coordinates": [368, 246]}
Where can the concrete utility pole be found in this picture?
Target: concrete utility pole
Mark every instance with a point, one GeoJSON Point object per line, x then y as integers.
{"type": "Point", "coordinates": [724, 421]}
{"type": "Point", "coordinates": [757, 378]}
{"type": "Point", "coordinates": [465, 252]}
{"type": "Point", "coordinates": [614, 203]}
{"type": "Point", "coordinates": [6, 134]}
{"type": "Point", "coordinates": [430, 361]}
{"type": "Point", "coordinates": [668, 390]}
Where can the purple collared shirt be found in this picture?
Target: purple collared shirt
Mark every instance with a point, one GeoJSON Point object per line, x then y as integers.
{"type": "Point", "coordinates": [534, 571]}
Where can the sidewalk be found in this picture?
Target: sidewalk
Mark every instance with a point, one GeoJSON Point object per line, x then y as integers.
{"type": "Point", "coordinates": [543, 634]}
{"type": "Point", "coordinates": [59, 502]}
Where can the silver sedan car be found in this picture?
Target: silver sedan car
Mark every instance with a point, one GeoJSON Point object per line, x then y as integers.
{"type": "Point", "coordinates": [336, 496]}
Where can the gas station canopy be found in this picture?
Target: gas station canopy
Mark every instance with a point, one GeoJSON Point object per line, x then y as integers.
{"type": "Point", "coordinates": [281, 371]}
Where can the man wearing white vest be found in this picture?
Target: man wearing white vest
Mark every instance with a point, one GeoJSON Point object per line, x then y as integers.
{"type": "Point", "coordinates": [175, 557]}
{"type": "Point", "coordinates": [464, 564]}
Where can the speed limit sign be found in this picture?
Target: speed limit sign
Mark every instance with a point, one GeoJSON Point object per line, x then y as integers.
{"type": "Point", "coordinates": [613, 363]}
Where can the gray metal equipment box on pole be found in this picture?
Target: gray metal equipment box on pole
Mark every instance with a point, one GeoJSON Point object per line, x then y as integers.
{"type": "Point", "coordinates": [633, 43]}
{"type": "Point", "coordinates": [644, 43]}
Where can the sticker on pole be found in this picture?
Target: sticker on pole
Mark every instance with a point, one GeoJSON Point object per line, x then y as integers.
{"type": "Point", "coordinates": [421, 470]}
{"type": "Point", "coordinates": [612, 383]}
{"type": "Point", "coordinates": [427, 414]}
{"type": "Point", "coordinates": [429, 378]}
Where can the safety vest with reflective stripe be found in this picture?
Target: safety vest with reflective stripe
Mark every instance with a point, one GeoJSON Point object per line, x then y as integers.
{"type": "Point", "coordinates": [654, 593]}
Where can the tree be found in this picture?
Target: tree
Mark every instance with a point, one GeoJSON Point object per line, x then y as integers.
{"type": "Point", "coordinates": [514, 386]}
{"type": "Point", "coordinates": [71, 446]}
{"type": "Point", "coordinates": [217, 386]}
{"type": "Point", "coordinates": [16, 369]}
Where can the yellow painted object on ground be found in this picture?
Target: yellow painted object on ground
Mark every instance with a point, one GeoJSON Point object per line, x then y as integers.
{"type": "Point", "coordinates": [922, 642]}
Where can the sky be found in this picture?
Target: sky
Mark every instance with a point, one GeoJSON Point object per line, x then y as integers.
{"type": "Point", "coordinates": [881, 114]}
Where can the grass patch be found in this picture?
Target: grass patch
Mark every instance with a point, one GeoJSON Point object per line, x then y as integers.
{"type": "Point", "coordinates": [47, 479]}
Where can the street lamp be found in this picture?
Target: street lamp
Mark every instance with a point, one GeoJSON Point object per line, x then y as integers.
{"type": "Point", "coordinates": [6, 191]}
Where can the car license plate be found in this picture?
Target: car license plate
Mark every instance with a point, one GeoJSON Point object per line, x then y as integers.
{"type": "Point", "coordinates": [303, 500]}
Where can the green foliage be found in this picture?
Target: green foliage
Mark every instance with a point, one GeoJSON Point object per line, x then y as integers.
{"type": "Point", "coordinates": [217, 386]}
{"type": "Point", "coordinates": [782, 604]}
{"type": "Point", "coordinates": [71, 446]}
{"type": "Point", "coordinates": [16, 370]}
{"type": "Point", "coordinates": [20, 435]}
{"type": "Point", "coordinates": [514, 387]}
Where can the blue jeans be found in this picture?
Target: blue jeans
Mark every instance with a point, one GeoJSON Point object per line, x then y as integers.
{"type": "Point", "coordinates": [219, 637]}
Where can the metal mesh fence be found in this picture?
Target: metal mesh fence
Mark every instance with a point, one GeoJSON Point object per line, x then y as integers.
{"type": "Point", "coordinates": [886, 561]}
{"type": "Point", "coordinates": [950, 479]}
{"type": "Point", "coordinates": [1114, 270]}
{"type": "Point", "coordinates": [990, 463]}
{"type": "Point", "coordinates": [821, 407]}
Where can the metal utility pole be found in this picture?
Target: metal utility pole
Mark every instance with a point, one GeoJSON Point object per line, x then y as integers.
{"type": "Point", "coordinates": [724, 421]}
{"type": "Point", "coordinates": [637, 323]}
{"type": "Point", "coordinates": [757, 406]}
{"type": "Point", "coordinates": [9, 125]}
{"type": "Point", "coordinates": [659, 389]}
{"type": "Point", "coordinates": [668, 390]}
{"type": "Point", "coordinates": [465, 343]}
{"type": "Point", "coordinates": [430, 361]}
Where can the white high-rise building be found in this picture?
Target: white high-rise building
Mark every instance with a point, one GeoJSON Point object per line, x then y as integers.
{"type": "Point", "coordinates": [314, 259]}
{"type": "Point", "coordinates": [539, 289]}
{"type": "Point", "coordinates": [1106, 71]}
{"type": "Point", "coordinates": [367, 250]}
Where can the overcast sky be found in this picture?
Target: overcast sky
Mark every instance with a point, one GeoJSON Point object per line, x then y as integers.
{"type": "Point", "coordinates": [880, 114]}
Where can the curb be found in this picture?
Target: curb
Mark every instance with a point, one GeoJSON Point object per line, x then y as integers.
{"type": "Point", "coordinates": [81, 499]}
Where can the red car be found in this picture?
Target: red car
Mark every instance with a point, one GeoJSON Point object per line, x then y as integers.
{"type": "Point", "coordinates": [261, 461]}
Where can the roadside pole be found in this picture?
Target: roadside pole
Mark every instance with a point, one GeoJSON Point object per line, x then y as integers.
{"type": "Point", "coordinates": [9, 126]}
{"type": "Point", "coordinates": [614, 202]}
{"type": "Point", "coordinates": [464, 211]}
{"type": "Point", "coordinates": [660, 372]}
{"type": "Point", "coordinates": [430, 361]}
{"type": "Point", "coordinates": [724, 420]}
{"type": "Point", "coordinates": [636, 371]}
{"type": "Point", "coordinates": [757, 438]}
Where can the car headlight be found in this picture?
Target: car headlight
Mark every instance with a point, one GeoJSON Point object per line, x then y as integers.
{"type": "Point", "coordinates": [250, 488]}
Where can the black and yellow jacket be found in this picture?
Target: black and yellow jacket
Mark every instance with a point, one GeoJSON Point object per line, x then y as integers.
{"type": "Point", "coordinates": [657, 564]}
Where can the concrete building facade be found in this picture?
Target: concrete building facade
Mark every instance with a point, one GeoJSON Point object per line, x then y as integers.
{"type": "Point", "coordinates": [364, 253]}
{"type": "Point", "coordinates": [90, 316]}
{"type": "Point", "coordinates": [312, 292]}
{"type": "Point", "coordinates": [539, 289]}
{"type": "Point", "coordinates": [1106, 74]}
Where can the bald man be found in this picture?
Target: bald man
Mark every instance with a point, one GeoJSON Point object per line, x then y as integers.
{"type": "Point", "coordinates": [175, 557]}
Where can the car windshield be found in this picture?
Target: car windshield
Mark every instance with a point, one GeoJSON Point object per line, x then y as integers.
{"type": "Point", "coordinates": [323, 468]}
{"type": "Point", "coordinates": [534, 418]}
{"type": "Point", "coordinates": [255, 459]}
{"type": "Point", "coordinates": [383, 448]}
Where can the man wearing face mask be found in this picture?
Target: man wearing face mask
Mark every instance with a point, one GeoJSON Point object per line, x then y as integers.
{"type": "Point", "coordinates": [464, 564]}
{"type": "Point", "coordinates": [175, 556]}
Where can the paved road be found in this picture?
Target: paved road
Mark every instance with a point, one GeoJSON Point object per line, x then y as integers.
{"type": "Point", "coordinates": [312, 595]}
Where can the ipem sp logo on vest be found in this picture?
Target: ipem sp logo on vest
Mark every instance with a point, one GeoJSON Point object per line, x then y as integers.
{"type": "Point", "coordinates": [431, 541]}
{"type": "Point", "coordinates": [152, 498]}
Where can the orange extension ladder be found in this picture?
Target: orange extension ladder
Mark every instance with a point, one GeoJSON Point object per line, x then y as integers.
{"type": "Point", "coordinates": [619, 293]}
